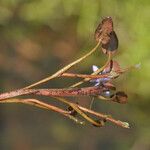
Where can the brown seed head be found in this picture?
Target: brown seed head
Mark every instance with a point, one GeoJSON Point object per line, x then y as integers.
{"type": "Point", "coordinates": [104, 29]}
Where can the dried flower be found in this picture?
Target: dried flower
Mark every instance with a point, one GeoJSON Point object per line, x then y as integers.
{"type": "Point", "coordinates": [103, 30]}
{"type": "Point", "coordinates": [107, 35]}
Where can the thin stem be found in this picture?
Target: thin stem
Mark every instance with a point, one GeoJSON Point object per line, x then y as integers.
{"type": "Point", "coordinates": [37, 103]}
{"type": "Point", "coordinates": [72, 75]}
{"type": "Point", "coordinates": [64, 69]}
{"type": "Point", "coordinates": [106, 117]}
{"type": "Point", "coordinates": [75, 107]}
{"type": "Point", "coordinates": [91, 103]}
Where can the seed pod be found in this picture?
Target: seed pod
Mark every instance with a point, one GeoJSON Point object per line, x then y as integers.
{"type": "Point", "coordinates": [107, 35]}
{"type": "Point", "coordinates": [103, 30]}
{"type": "Point", "coordinates": [112, 44]}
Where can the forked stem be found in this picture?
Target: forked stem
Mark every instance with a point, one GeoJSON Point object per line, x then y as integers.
{"type": "Point", "coordinates": [81, 110]}
{"type": "Point", "coordinates": [76, 108]}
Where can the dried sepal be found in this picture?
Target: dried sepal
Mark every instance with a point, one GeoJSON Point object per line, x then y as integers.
{"type": "Point", "coordinates": [112, 66]}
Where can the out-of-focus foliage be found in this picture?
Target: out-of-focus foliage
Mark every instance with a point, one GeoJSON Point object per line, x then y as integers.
{"type": "Point", "coordinates": [37, 37]}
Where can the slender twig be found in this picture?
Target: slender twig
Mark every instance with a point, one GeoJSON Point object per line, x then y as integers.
{"type": "Point", "coordinates": [64, 69]}
{"type": "Point", "coordinates": [66, 113]}
{"type": "Point", "coordinates": [72, 75]}
{"type": "Point", "coordinates": [106, 117]}
{"type": "Point", "coordinates": [75, 107]}
{"type": "Point", "coordinates": [37, 103]}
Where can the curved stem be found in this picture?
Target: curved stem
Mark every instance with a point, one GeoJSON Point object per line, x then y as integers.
{"type": "Point", "coordinates": [43, 105]}
{"type": "Point", "coordinates": [79, 108]}
{"type": "Point", "coordinates": [106, 117]}
{"type": "Point", "coordinates": [75, 107]}
{"type": "Point", "coordinates": [36, 103]}
{"type": "Point", "coordinates": [64, 69]}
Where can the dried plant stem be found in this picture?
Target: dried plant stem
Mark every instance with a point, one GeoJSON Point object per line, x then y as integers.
{"type": "Point", "coordinates": [87, 91]}
{"type": "Point", "coordinates": [58, 73]}
{"type": "Point", "coordinates": [83, 109]}
{"type": "Point", "coordinates": [72, 75]}
{"type": "Point", "coordinates": [75, 107]}
{"type": "Point", "coordinates": [106, 117]}
{"type": "Point", "coordinates": [37, 103]}
{"type": "Point", "coordinates": [94, 73]}
{"type": "Point", "coordinates": [78, 108]}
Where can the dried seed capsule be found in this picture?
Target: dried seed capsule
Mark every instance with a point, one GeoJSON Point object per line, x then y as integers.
{"type": "Point", "coordinates": [103, 30]}
{"type": "Point", "coordinates": [107, 35]}
{"type": "Point", "coordinates": [112, 44]}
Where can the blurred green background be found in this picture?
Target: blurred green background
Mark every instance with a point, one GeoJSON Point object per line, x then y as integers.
{"type": "Point", "coordinates": [38, 37]}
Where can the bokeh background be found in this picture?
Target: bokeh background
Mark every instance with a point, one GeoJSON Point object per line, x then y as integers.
{"type": "Point", "coordinates": [38, 37]}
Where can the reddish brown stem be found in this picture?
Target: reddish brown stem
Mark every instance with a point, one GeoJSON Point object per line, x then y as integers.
{"type": "Point", "coordinates": [117, 122]}
{"type": "Point", "coordinates": [87, 91]}
{"type": "Point", "coordinates": [72, 75]}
